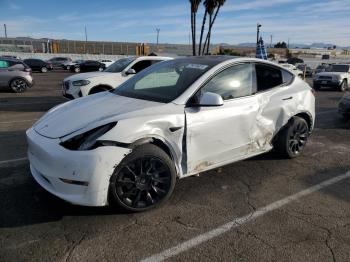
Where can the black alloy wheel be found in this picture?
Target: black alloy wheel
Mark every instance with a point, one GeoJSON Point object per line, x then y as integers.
{"type": "Point", "coordinates": [298, 136]}
{"type": "Point", "coordinates": [144, 179]}
{"type": "Point", "coordinates": [19, 85]}
{"type": "Point", "coordinates": [291, 140]}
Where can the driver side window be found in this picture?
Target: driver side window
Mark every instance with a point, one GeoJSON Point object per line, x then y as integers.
{"type": "Point", "coordinates": [234, 82]}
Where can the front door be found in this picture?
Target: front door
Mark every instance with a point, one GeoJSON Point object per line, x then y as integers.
{"type": "Point", "coordinates": [219, 135]}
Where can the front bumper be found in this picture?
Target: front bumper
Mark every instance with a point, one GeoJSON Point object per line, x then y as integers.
{"type": "Point", "coordinates": [50, 163]}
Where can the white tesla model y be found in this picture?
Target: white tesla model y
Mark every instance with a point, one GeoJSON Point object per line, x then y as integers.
{"type": "Point", "coordinates": [172, 120]}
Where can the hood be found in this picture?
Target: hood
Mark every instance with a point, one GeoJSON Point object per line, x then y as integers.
{"type": "Point", "coordinates": [79, 113]}
{"type": "Point", "coordinates": [84, 76]}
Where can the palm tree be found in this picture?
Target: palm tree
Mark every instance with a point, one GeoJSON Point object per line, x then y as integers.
{"type": "Point", "coordinates": [194, 9]}
{"type": "Point", "coordinates": [207, 4]}
{"type": "Point", "coordinates": [218, 5]}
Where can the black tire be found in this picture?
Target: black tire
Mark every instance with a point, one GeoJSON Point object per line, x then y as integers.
{"type": "Point", "coordinates": [143, 180]}
{"type": "Point", "coordinates": [317, 87]}
{"type": "Point", "coordinates": [44, 69]}
{"type": "Point", "coordinates": [344, 86]}
{"type": "Point", "coordinates": [19, 85]}
{"type": "Point", "coordinates": [292, 139]}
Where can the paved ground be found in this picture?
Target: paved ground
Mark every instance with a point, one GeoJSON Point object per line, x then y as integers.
{"type": "Point", "coordinates": [36, 226]}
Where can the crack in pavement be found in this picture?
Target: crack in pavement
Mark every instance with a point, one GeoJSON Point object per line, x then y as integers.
{"type": "Point", "coordinates": [327, 230]}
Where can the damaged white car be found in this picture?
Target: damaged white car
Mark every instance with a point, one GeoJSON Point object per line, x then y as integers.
{"type": "Point", "coordinates": [175, 119]}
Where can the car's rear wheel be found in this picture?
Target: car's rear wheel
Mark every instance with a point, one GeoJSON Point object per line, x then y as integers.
{"type": "Point", "coordinates": [19, 85]}
{"type": "Point", "coordinates": [344, 86]}
{"type": "Point", "coordinates": [145, 179]}
{"type": "Point", "coordinates": [43, 69]}
{"type": "Point", "coordinates": [292, 139]}
{"type": "Point", "coordinates": [77, 69]}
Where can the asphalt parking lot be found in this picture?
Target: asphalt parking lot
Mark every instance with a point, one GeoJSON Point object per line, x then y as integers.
{"type": "Point", "coordinates": [312, 226]}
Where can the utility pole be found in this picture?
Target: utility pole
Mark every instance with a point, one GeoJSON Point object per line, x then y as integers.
{"type": "Point", "coordinates": [271, 41]}
{"type": "Point", "coordinates": [5, 29]}
{"type": "Point", "coordinates": [257, 33]}
{"type": "Point", "coordinates": [85, 35]}
{"type": "Point", "coordinates": [158, 30]}
{"type": "Point", "coordinates": [85, 40]}
{"type": "Point", "coordinates": [288, 43]}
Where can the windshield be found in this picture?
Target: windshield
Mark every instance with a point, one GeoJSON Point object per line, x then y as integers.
{"type": "Point", "coordinates": [163, 82]}
{"type": "Point", "coordinates": [339, 68]}
{"type": "Point", "coordinates": [120, 65]}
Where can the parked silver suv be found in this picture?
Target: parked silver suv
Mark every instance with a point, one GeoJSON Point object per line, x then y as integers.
{"type": "Point", "coordinates": [15, 74]}
{"type": "Point", "coordinates": [337, 76]}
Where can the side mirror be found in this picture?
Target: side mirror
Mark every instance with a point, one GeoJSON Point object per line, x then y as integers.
{"type": "Point", "coordinates": [210, 99]}
{"type": "Point", "coordinates": [130, 71]}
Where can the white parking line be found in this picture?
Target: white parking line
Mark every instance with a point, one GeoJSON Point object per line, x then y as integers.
{"type": "Point", "coordinates": [182, 247]}
{"type": "Point", "coordinates": [19, 121]}
{"type": "Point", "coordinates": [10, 161]}
{"type": "Point", "coordinates": [30, 103]}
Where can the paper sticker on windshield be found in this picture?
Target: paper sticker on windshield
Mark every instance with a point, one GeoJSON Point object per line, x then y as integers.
{"type": "Point", "coordinates": [197, 66]}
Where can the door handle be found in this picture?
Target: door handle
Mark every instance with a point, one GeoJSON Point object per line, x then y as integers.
{"type": "Point", "coordinates": [287, 98]}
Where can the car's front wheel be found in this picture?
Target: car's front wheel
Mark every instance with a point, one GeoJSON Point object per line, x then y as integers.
{"type": "Point", "coordinates": [19, 85]}
{"type": "Point", "coordinates": [144, 179]}
{"type": "Point", "coordinates": [43, 69]}
{"type": "Point", "coordinates": [77, 69]}
{"type": "Point", "coordinates": [292, 139]}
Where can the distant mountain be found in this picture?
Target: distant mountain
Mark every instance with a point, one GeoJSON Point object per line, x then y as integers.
{"type": "Point", "coordinates": [293, 45]}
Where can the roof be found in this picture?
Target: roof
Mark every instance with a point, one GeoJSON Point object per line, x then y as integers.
{"type": "Point", "coordinates": [210, 60]}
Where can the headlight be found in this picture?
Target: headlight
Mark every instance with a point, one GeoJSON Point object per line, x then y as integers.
{"type": "Point", "coordinates": [80, 83]}
{"type": "Point", "coordinates": [87, 140]}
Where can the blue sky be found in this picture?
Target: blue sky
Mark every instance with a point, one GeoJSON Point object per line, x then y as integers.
{"type": "Point", "coordinates": [302, 21]}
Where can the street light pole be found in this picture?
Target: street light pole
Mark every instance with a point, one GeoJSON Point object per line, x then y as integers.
{"type": "Point", "coordinates": [5, 29]}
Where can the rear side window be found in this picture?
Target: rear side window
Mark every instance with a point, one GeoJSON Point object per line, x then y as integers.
{"type": "Point", "coordinates": [4, 64]}
{"type": "Point", "coordinates": [287, 77]}
{"type": "Point", "coordinates": [268, 77]}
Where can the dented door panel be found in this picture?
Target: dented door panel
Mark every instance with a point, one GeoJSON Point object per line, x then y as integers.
{"type": "Point", "coordinates": [219, 134]}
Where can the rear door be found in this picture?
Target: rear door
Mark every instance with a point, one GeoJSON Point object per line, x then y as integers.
{"type": "Point", "coordinates": [219, 135]}
{"type": "Point", "coordinates": [277, 100]}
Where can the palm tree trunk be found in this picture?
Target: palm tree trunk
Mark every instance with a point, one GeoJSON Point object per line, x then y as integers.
{"type": "Point", "coordinates": [202, 32]}
{"type": "Point", "coordinates": [211, 23]}
{"type": "Point", "coordinates": [193, 37]}
{"type": "Point", "coordinates": [194, 33]}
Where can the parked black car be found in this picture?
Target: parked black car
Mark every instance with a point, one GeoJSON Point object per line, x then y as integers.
{"type": "Point", "coordinates": [87, 66]}
{"type": "Point", "coordinates": [308, 70]}
{"type": "Point", "coordinates": [295, 60]}
{"type": "Point", "coordinates": [58, 61]}
{"type": "Point", "coordinates": [38, 65]}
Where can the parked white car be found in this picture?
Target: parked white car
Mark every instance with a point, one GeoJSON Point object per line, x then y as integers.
{"type": "Point", "coordinates": [293, 69]}
{"type": "Point", "coordinates": [175, 119]}
{"type": "Point", "coordinates": [85, 84]}
{"type": "Point", "coordinates": [106, 62]}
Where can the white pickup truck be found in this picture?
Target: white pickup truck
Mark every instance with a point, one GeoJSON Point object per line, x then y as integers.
{"type": "Point", "coordinates": [337, 76]}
